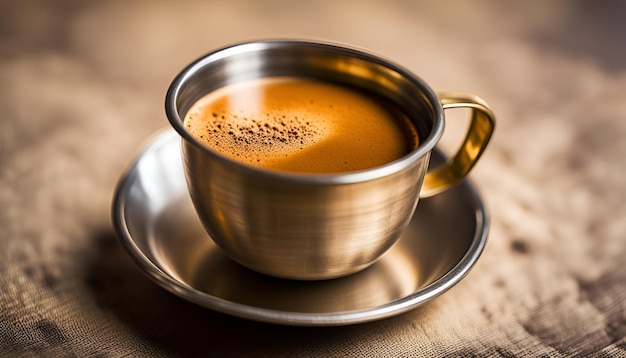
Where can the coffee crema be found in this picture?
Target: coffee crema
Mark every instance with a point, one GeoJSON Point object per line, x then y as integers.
{"type": "Point", "coordinates": [300, 125]}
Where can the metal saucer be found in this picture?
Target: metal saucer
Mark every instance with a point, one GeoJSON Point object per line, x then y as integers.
{"type": "Point", "coordinates": [156, 223]}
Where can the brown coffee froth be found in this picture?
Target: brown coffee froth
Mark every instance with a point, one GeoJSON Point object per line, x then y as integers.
{"type": "Point", "coordinates": [300, 125]}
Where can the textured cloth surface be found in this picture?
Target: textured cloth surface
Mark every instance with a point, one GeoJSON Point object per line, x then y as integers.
{"type": "Point", "coordinates": [83, 85]}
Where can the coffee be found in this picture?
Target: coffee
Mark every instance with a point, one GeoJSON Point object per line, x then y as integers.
{"type": "Point", "coordinates": [300, 125]}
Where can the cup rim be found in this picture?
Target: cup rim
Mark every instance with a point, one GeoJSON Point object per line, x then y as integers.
{"type": "Point", "coordinates": [424, 147]}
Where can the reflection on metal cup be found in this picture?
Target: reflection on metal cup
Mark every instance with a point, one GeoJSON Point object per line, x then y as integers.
{"type": "Point", "coordinates": [312, 227]}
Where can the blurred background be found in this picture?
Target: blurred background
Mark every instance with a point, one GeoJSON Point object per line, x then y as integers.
{"type": "Point", "coordinates": [83, 86]}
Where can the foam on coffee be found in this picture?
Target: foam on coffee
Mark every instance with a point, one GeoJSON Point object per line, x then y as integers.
{"type": "Point", "coordinates": [301, 125]}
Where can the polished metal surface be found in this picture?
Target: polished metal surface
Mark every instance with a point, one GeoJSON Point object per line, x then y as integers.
{"type": "Point", "coordinates": [159, 228]}
{"type": "Point", "coordinates": [481, 127]}
{"type": "Point", "coordinates": [314, 227]}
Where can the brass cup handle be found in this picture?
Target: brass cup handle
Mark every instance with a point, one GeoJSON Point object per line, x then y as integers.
{"type": "Point", "coordinates": [478, 135]}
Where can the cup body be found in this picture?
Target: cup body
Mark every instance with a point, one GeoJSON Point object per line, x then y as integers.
{"type": "Point", "coordinates": [302, 226]}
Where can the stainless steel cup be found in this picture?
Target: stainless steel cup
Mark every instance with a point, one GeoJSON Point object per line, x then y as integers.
{"type": "Point", "coordinates": [313, 227]}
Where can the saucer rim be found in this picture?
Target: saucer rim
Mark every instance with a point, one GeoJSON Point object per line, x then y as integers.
{"type": "Point", "coordinates": [275, 316]}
